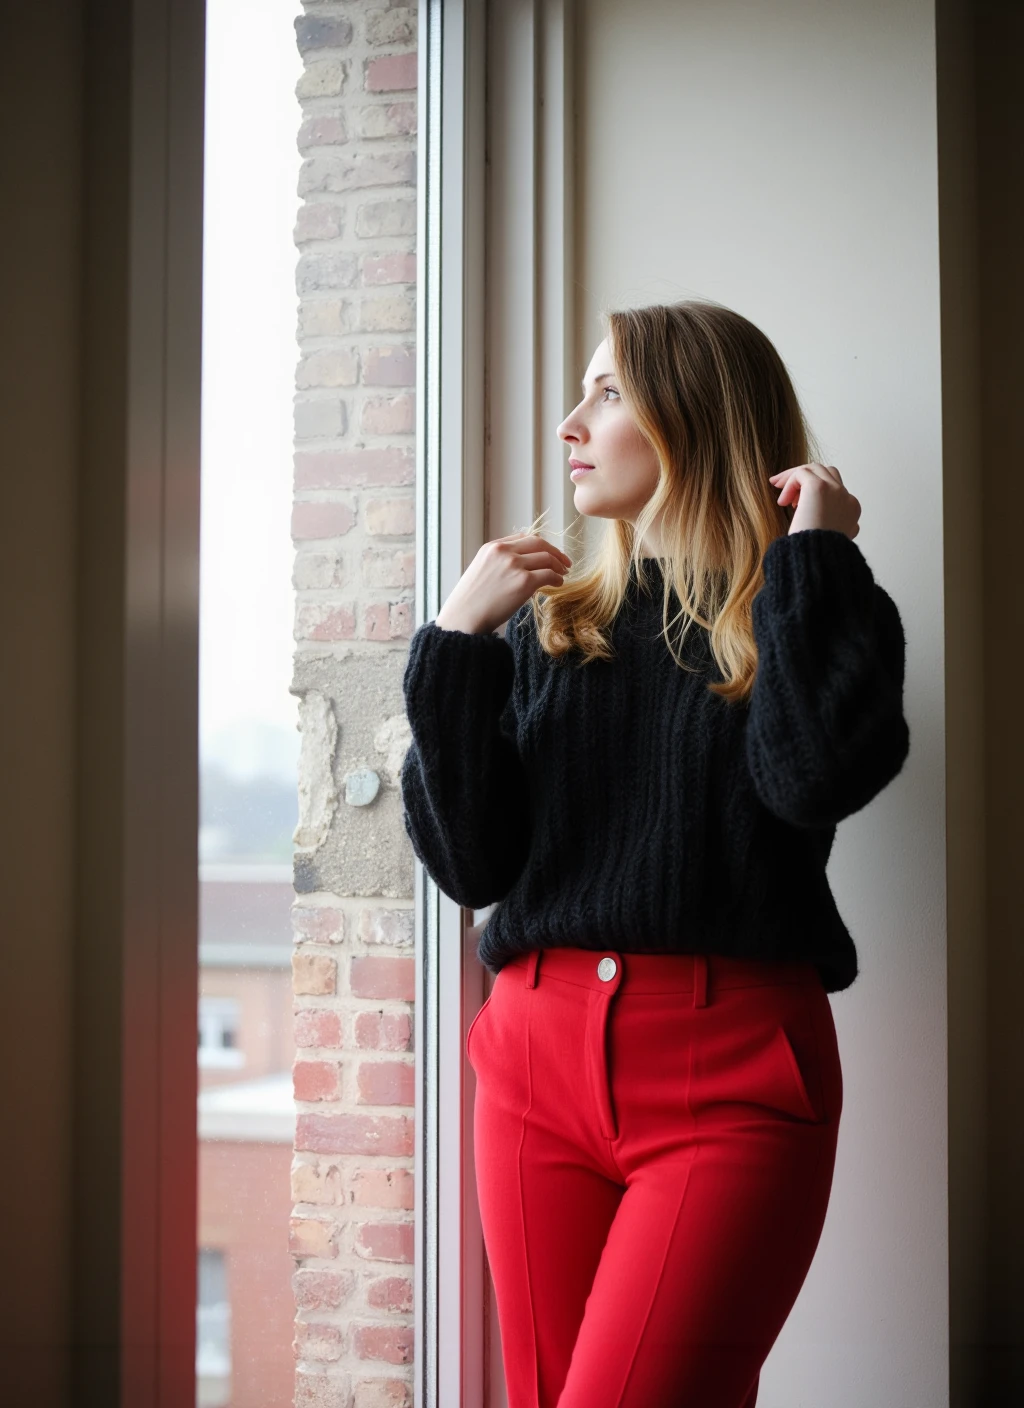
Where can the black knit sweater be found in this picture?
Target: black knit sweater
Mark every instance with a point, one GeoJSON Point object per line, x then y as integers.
{"type": "Point", "coordinates": [621, 805]}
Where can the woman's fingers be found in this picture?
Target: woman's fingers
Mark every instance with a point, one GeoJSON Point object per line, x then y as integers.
{"type": "Point", "coordinates": [827, 471]}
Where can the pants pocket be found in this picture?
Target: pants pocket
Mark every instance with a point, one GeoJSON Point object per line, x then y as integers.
{"type": "Point", "coordinates": [762, 1050]}
{"type": "Point", "coordinates": [473, 1025]}
{"type": "Point", "coordinates": [805, 1104]}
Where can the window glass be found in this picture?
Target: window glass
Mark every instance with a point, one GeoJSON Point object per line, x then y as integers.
{"type": "Point", "coordinates": [213, 1331]}
{"type": "Point", "coordinates": [218, 1033]}
{"type": "Point", "coordinates": [249, 741]}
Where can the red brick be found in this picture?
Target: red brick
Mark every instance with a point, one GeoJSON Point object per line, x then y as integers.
{"type": "Point", "coordinates": [384, 1031]}
{"type": "Point", "coordinates": [324, 317]}
{"type": "Point", "coordinates": [317, 620]}
{"type": "Point", "coordinates": [370, 976]}
{"type": "Point", "coordinates": [390, 1293]}
{"type": "Point", "coordinates": [396, 1031]}
{"type": "Point", "coordinates": [321, 923]}
{"type": "Point", "coordinates": [326, 1290]}
{"type": "Point", "coordinates": [401, 620]}
{"type": "Point", "coordinates": [317, 1026]}
{"type": "Point", "coordinates": [313, 570]}
{"type": "Point", "coordinates": [318, 221]}
{"type": "Point", "coordinates": [380, 219]}
{"type": "Point", "coordinates": [327, 367]}
{"type": "Point", "coordinates": [395, 927]}
{"type": "Point", "coordinates": [390, 366]}
{"type": "Point", "coordinates": [321, 1080]}
{"type": "Point", "coordinates": [354, 1134]}
{"type": "Point", "coordinates": [336, 1167]}
{"type": "Point", "coordinates": [393, 1343]}
{"type": "Point", "coordinates": [386, 120]}
{"type": "Point", "coordinates": [320, 417]}
{"type": "Point", "coordinates": [386, 1241]}
{"type": "Point", "coordinates": [385, 1083]}
{"type": "Point", "coordinates": [391, 73]}
{"type": "Point", "coordinates": [394, 26]}
{"type": "Point", "coordinates": [321, 520]}
{"type": "Point", "coordinates": [314, 974]}
{"type": "Point", "coordinates": [377, 621]}
{"type": "Point", "coordinates": [317, 271]}
{"type": "Point", "coordinates": [355, 171]}
{"type": "Point", "coordinates": [388, 269]}
{"type": "Point", "coordinates": [317, 1182]}
{"type": "Point", "coordinates": [321, 1391]}
{"type": "Point", "coordinates": [384, 1188]}
{"type": "Point", "coordinates": [394, 567]}
{"type": "Point", "coordinates": [312, 1236]}
{"type": "Point", "coordinates": [323, 78]}
{"type": "Point", "coordinates": [322, 129]}
{"type": "Point", "coordinates": [387, 620]}
{"type": "Point", "coordinates": [388, 415]}
{"type": "Point", "coordinates": [340, 469]}
{"type": "Point", "coordinates": [389, 517]}
{"type": "Point", "coordinates": [380, 1393]}
{"type": "Point", "coordinates": [395, 313]}
{"type": "Point", "coordinates": [311, 32]}
{"type": "Point", "coordinates": [321, 1343]}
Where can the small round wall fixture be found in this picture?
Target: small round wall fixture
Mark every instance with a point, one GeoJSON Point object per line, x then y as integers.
{"type": "Point", "coordinates": [361, 787]}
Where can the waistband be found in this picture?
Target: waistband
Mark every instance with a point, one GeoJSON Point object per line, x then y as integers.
{"type": "Point", "coordinates": [610, 970]}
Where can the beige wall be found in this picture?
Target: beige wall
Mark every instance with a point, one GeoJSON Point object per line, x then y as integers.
{"type": "Point", "coordinates": [782, 159]}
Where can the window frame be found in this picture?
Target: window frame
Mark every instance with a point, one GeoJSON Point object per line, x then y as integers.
{"type": "Point", "coordinates": [136, 1165]}
{"type": "Point", "coordinates": [448, 1283]}
{"type": "Point", "coordinates": [495, 371]}
{"type": "Point", "coordinates": [134, 1200]}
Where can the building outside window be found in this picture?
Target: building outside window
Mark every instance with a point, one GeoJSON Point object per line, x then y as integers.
{"type": "Point", "coordinates": [218, 1033]}
{"type": "Point", "coordinates": [213, 1330]}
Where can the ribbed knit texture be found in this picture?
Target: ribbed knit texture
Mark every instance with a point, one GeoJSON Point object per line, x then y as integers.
{"type": "Point", "coordinates": [621, 805]}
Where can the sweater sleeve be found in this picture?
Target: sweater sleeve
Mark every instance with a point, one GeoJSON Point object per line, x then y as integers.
{"type": "Point", "coordinates": [465, 795]}
{"type": "Point", "coordinates": [826, 730]}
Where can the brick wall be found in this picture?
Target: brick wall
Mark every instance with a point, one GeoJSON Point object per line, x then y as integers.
{"type": "Point", "coordinates": [353, 528]}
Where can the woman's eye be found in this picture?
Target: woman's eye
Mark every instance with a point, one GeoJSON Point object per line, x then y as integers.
{"type": "Point", "coordinates": [611, 389]}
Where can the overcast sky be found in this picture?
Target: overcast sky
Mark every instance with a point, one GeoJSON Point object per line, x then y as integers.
{"type": "Point", "coordinates": [247, 717]}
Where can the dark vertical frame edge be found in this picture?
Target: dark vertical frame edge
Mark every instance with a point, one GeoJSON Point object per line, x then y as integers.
{"type": "Point", "coordinates": [136, 942]}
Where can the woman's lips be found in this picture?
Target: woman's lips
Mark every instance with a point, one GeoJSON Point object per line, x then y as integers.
{"type": "Point", "coordinates": [577, 467]}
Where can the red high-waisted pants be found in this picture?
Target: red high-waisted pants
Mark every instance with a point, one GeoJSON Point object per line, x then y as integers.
{"type": "Point", "coordinates": [654, 1139]}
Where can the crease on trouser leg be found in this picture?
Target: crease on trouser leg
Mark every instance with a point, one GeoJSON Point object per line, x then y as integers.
{"type": "Point", "coordinates": [524, 1240]}
{"type": "Point", "coordinates": [668, 1240]}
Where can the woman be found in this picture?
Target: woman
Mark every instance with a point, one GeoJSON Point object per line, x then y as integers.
{"type": "Point", "coordinates": [658, 1079]}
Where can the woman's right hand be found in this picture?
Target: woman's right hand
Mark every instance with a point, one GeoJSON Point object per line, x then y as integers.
{"type": "Point", "coordinates": [505, 573]}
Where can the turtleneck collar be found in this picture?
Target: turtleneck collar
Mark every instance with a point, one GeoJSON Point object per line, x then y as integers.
{"type": "Point", "coordinates": [653, 569]}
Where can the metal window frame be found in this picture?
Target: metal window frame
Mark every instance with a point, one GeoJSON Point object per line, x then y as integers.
{"type": "Point", "coordinates": [448, 1348]}
{"type": "Point", "coordinates": [495, 374]}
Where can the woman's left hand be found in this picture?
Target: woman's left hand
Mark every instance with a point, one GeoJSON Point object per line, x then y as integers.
{"type": "Point", "coordinates": [821, 499]}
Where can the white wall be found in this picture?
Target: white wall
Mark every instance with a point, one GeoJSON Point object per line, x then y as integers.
{"type": "Point", "coordinates": [781, 158]}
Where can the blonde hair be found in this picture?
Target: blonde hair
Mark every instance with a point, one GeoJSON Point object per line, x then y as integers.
{"type": "Point", "coordinates": [712, 396]}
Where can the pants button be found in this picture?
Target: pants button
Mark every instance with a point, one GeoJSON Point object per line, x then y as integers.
{"type": "Point", "coordinates": [606, 969]}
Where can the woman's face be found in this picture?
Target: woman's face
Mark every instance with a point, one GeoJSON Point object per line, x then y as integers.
{"type": "Point", "coordinates": [602, 433]}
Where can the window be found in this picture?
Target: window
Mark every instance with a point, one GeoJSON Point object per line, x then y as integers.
{"type": "Point", "coordinates": [218, 1033]}
{"type": "Point", "coordinates": [248, 736]}
{"type": "Point", "coordinates": [213, 1330]}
